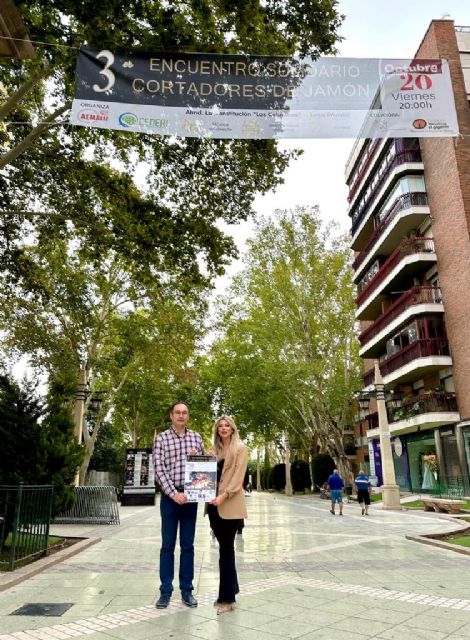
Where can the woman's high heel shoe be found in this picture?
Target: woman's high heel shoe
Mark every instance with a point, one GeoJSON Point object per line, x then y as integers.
{"type": "Point", "coordinates": [224, 607]}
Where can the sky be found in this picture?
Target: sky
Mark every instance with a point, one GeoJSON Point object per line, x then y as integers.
{"type": "Point", "coordinates": [371, 29]}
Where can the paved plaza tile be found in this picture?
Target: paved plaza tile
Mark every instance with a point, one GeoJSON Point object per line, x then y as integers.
{"type": "Point", "coordinates": [303, 574]}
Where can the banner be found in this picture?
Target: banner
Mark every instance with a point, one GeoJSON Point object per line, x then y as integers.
{"type": "Point", "coordinates": [238, 96]}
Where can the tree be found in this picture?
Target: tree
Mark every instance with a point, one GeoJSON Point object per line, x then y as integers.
{"type": "Point", "coordinates": [66, 171]}
{"type": "Point", "coordinates": [290, 329]}
{"type": "Point", "coordinates": [37, 442]}
{"type": "Point", "coordinates": [66, 313]}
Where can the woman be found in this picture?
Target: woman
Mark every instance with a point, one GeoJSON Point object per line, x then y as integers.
{"type": "Point", "coordinates": [226, 510]}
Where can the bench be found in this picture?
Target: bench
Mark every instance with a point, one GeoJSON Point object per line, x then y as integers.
{"type": "Point", "coordinates": [443, 505]}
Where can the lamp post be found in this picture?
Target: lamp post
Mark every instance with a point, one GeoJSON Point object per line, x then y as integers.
{"type": "Point", "coordinates": [79, 410]}
{"type": "Point", "coordinates": [390, 489]}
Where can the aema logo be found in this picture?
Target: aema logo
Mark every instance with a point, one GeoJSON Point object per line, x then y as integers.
{"type": "Point", "coordinates": [128, 119]}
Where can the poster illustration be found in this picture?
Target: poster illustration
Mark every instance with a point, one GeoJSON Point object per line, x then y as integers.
{"type": "Point", "coordinates": [200, 478]}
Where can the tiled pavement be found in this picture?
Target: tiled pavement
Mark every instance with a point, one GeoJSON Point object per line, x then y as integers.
{"type": "Point", "coordinates": [303, 574]}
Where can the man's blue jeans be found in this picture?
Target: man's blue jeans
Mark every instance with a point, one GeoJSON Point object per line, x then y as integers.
{"type": "Point", "coordinates": [172, 515]}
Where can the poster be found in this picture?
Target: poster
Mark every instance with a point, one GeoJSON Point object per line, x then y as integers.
{"type": "Point", "coordinates": [139, 476]}
{"type": "Point", "coordinates": [200, 478]}
{"type": "Point", "coordinates": [244, 96]}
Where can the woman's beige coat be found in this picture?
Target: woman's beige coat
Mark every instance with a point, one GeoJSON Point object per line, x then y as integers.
{"type": "Point", "coordinates": [231, 481]}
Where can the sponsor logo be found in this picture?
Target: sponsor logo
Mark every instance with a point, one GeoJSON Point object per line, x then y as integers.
{"type": "Point", "coordinates": [128, 119]}
{"type": "Point", "coordinates": [93, 115]}
{"type": "Point", "coordinates": [420, 123]}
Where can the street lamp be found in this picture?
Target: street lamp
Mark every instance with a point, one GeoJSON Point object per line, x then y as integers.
{"type": "Point", "coordinates": [390, 489]}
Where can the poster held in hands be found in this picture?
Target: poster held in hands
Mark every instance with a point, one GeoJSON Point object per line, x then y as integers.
{"type": "Point", "coordinates": [200, 478]}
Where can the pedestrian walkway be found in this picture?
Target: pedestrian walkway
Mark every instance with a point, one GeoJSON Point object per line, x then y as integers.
{"type": "Point", "coordinates": [303, 574]}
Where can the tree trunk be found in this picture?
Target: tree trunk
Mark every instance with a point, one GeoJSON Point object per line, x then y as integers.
{"type": "Point", "coordinates": [258, 472]}
{"type": "Point", "coordinates": [287, 462]}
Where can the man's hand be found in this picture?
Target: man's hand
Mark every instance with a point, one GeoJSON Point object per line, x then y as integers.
{"type": "Point", "coordinates": [180, 498]}
{"type": "Point", "coordinates": [193, 452]}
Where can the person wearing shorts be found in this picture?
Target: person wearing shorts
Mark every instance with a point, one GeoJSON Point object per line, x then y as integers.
{"type": "Point", "coordinates": [363, 491]}
{"type": "Point", "coordinates": [335, 484]}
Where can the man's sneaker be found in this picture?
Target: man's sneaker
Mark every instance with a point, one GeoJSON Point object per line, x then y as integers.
{"type": "Point", "coordinates": [163, 601]}
{"type": "Point", "coordinates": [189, 600]}
{"type": "Point", "coordinates": [340, 513]}
{"type": "Point", "coordinates": [332, 512]}
{"type": "Point", "coordinates": [363, 511]}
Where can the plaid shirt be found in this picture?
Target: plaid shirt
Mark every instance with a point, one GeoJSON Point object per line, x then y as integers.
{"type": "Point", "coordinates": [169, 458]}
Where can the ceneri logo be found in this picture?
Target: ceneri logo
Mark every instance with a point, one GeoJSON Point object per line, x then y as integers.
{"type": "Point", "coordinates": [128, 119]}
{"type": "Point", "coordinates": [419, 123]}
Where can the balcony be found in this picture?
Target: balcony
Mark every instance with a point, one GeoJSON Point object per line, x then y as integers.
{"type": "Point", "coordinates": [359, 177]}
{"type": "Point", "coordinates": [423, 299]}
{"type": "Point", "coordinates": [425, 411]}
{"type": "Point", "coordinates": [364, 208]}
{"type": "Point", "coordinates": [409, 259]}
{"type": "Point", "coordinates": [435, 402]}
{"type": "Point", "coordinates": [425, 355]}
{"type": "Point", "coordinates": [405, 215]}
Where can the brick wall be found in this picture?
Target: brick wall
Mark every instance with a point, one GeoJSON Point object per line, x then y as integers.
{"type": "Point", "coordinates": [447, 175]}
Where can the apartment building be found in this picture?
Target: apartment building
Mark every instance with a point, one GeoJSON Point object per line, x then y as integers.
{"type": "Point", "coordinates": [409, 203]}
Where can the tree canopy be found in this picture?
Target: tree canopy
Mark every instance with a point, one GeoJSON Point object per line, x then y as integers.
{"type": "Point", "coordinates": [287, 358]}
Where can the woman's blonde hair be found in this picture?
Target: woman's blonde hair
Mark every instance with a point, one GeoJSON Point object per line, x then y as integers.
{"type": "Point", "coordinates": [234, 439]}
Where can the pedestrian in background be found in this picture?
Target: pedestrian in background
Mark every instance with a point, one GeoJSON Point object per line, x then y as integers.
{"type": "Point", "coordinates": [228, 508]}
{"type": "Point", "coordinates": [363, 487]}
{"type": "Point", "coordinates": [170, 449]}
{"type": "Point", "coordinates": [335, 484]}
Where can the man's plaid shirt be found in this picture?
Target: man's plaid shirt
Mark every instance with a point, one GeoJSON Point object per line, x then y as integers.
{"type": "Point", "coordinates": [169, 458]}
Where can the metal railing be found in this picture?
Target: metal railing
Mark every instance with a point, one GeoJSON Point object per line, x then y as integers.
{"type": "Point", "coordinates": [25, 515]}
{"type": "Point", "coordinates": [409, 247]}
{"type": "Point", "coordinates": [363, 208]}
{"type": "Point", "coordinates": [424, 294]}
{"type": "Point", "coordinates": [417, 349]}
{"type": "Point", "coordinates": [405, 201]}
{"type": "Point", "coordinates": [450, 487]}
{"type": "Point", "coordinates": [369, 156]}
{"type": "Point", "coordinates": [435, 402]}
{"type": "Point", "coordinates": [94, 505]}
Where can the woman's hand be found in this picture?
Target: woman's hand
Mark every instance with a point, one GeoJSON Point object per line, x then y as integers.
{"type": "Point", "coordinates": [219, 499]}
{"type": "Point", "coordinates": [211, 452]}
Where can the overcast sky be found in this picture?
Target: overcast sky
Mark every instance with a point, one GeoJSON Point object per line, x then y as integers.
{"type": "Point", "coordinates": [372, 29]}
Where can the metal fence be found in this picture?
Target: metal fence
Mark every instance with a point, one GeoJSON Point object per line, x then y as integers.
{"type": "Point", "coordinates": [25, 514]}
{"type": "Point", "coordinates": [94, 505]}
{"type": "Point", "coordinates": [450, 487]}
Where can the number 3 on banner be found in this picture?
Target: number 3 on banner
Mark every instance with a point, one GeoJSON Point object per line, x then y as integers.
{"type": "Point", "coordinates": [109, 75]}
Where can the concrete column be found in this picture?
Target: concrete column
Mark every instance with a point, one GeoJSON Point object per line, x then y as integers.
{"type": "Point", "coordinates": [390, 489]}
{"type": "Point", "coordinates": [439, 451]}
{"type": "Point", "coordinates": [462, 458]}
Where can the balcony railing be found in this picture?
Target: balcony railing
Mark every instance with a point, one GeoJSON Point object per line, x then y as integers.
{"type": "Point", "coordinates": [406, 248]}
{"type": "Point", "coordinates": [418, 349]}
{"type": "Point", "coordinates": [405, 201]}
{"type": "Point", "coordinates": [364, 169]}
{"type": "Point", "coordinates": [436, 402]}
{"type": "Point", "coordinates": [416, 295]}
{"type": "Point", "coordinates": [400, 158]}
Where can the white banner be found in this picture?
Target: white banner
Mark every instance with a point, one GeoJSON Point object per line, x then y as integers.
{"type": "Point", "coordinates": [216, 96]}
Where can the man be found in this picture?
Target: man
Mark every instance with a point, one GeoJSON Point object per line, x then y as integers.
{"type": "Point", "coordinates": [363, 491]}
{"type": "Point", "coordinates": [335, 484]}
{"type": "Point", "coordinates": [170, 449]}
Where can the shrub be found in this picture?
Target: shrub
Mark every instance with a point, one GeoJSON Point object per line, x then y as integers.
{"type": "Point", "coordinates": [322, 466]}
